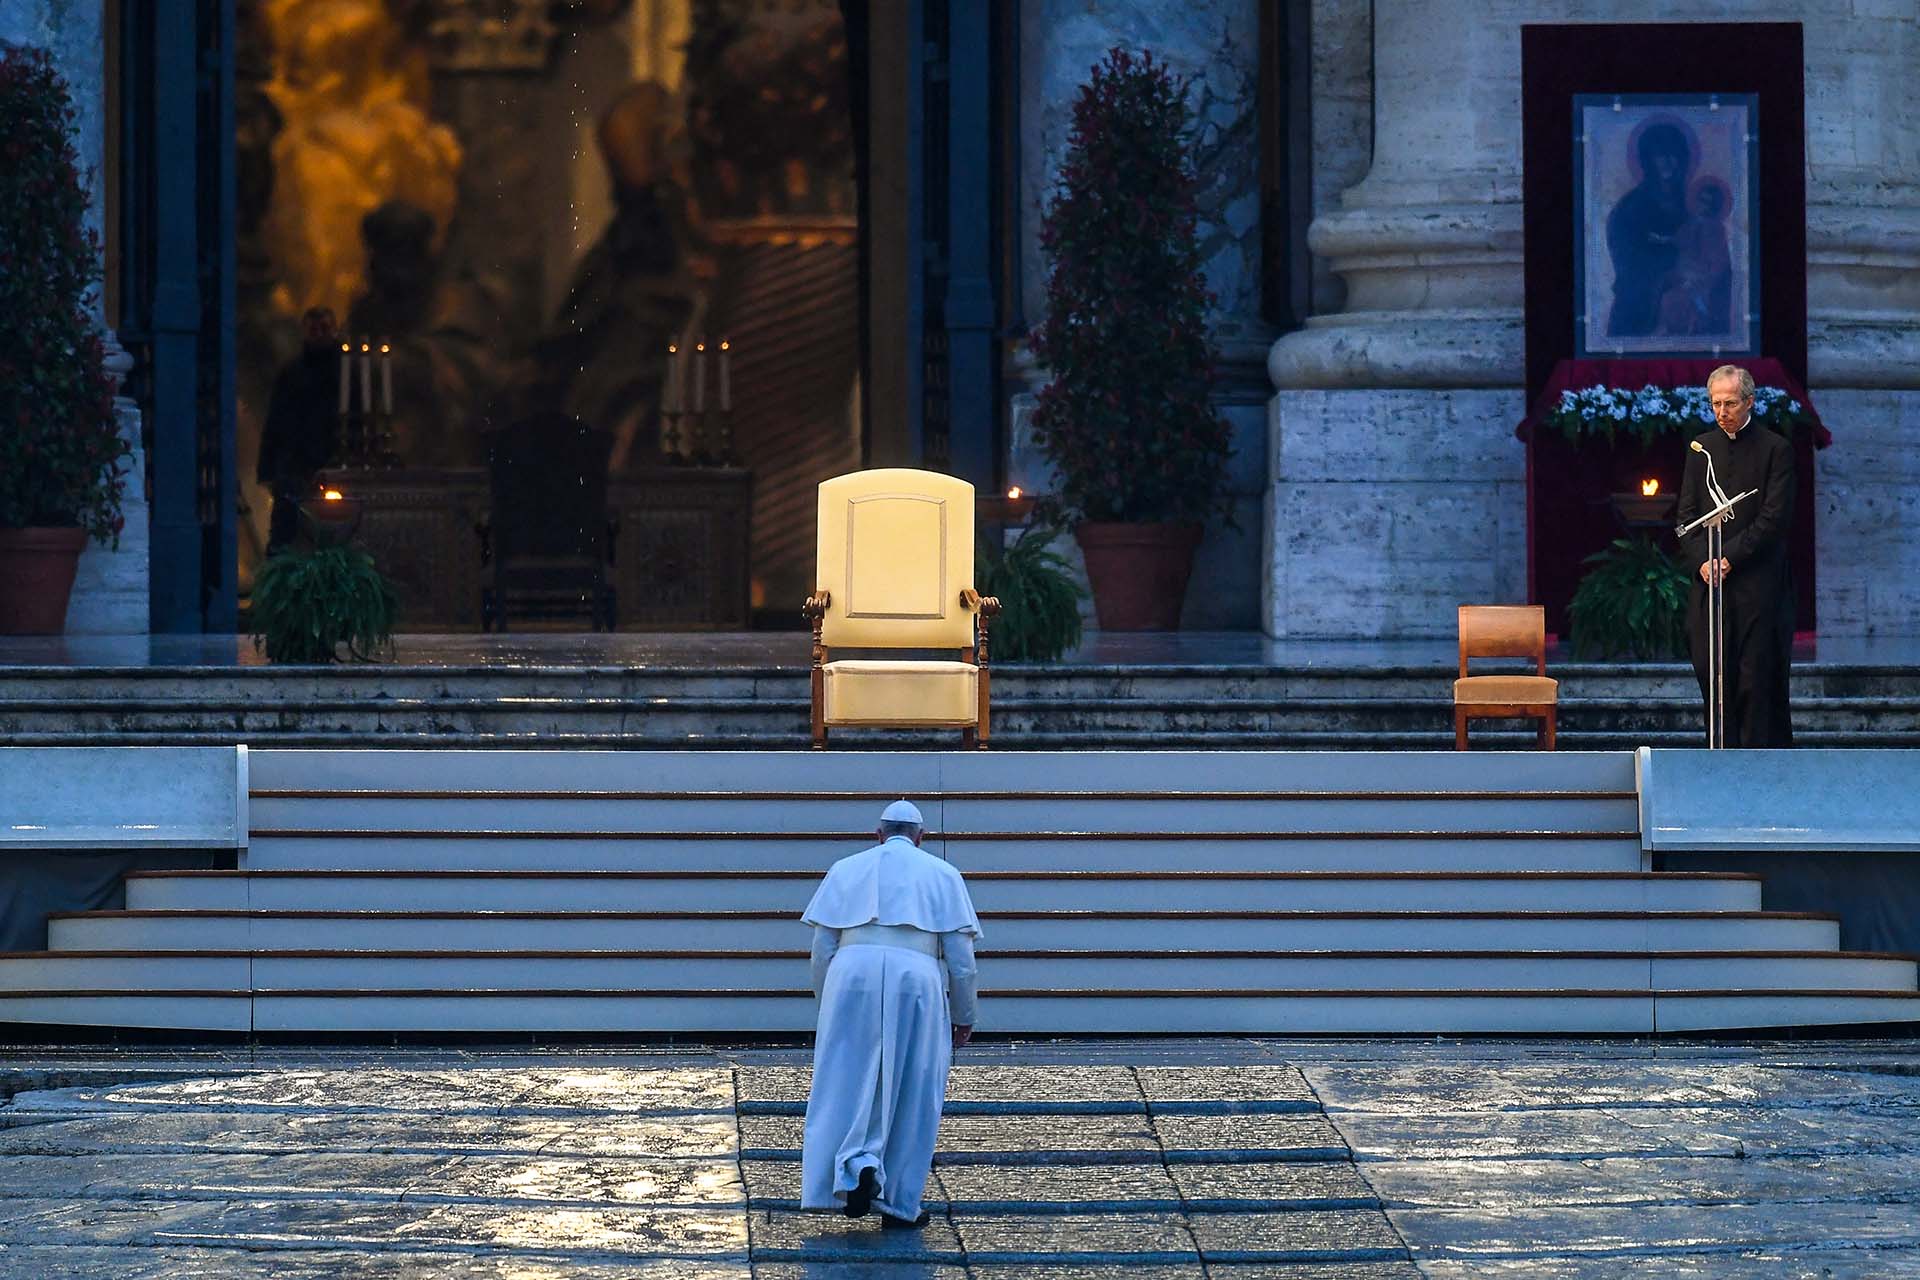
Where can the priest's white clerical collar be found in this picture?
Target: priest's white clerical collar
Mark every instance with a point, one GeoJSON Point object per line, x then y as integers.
{"type": "Point", "coordinates": [1737, 430]}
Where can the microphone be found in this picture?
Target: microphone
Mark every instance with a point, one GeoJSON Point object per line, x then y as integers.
{"type": "Point", "coordinates": [1714, 490]}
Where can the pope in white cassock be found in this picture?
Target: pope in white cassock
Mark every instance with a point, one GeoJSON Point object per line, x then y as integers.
{"type": "Point", "coordinates": [885, 924]}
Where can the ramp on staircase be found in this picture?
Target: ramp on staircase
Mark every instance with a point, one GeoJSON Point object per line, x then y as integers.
{"type": "Point", "coordinates": [658, 893]}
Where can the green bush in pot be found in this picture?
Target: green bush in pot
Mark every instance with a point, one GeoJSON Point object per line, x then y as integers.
{"type": "Point", "coordinates": [1128, 420]}
{"type": "Point", "coordinates": [61, 453]}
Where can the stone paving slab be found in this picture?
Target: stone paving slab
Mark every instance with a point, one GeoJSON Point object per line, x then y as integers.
{"type": "Point", "coordinates": [1540, 1088]}
{"type": "Point", "coordinates": [1625, 1131]}
{"type": "Point", "coordinates": [321, 1224]}
{"type": "Point", "coordinates": [1358, 1235]}
{"type": "Point", "coordinates": [88, 1262]}
{"type": "Point", "coordinates": [1058, 1188]}
{"type": "Point", "coordinates": [1652, 1231]}
{"type": "Point", "coordinates": [1227, 1085]}
{"type": "Point", "coordinates": [1286, 1184]}
{"type": "Point", "coordinates": [489, 1179]}
{"type": "Point", "coordinates": [1249, 1137]}
{"type": "Point", "coordinates": [1385, 1270]}
{"type": "Point", "coordinates": [243, 1133]}
{"type": "Point", "coordinates": [1117, 1239]}
{"type": "Point", "coordinates": [1809, 1264]}
{"type": "Point", "coordinates": [476, 1090]}
{"type": "Point", "coordinates": [1050, 1139]}
{"type": "Point", "coordinates": [842, 1270]}
{"type": "Point", "coordinates": [1625, 1182]}
{"type": "Point", "coordinates": [784, 1236]}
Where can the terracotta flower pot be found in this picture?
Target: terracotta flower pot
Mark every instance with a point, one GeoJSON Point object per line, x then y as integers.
{"type": "Point", "coordinates": [1139, 572]}
{"type": "Point", "coordinates": [36, 579]}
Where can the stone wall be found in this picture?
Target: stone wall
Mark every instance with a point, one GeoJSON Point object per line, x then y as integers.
{"type": "Point", "coordinates": [1867, 515]}
{"type": "Point", "coordinates": [1390, 508]}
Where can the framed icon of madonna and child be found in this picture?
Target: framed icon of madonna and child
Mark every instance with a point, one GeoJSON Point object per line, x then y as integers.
{"type": "Point", "coordinates": [1666, 230]}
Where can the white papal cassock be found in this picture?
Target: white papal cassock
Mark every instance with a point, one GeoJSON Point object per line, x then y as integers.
{"type": "Point", "coordinates": [886, 923]}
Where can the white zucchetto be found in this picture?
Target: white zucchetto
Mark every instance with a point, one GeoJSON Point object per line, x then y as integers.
{"type": "Point", "coordinates": [903, 811]}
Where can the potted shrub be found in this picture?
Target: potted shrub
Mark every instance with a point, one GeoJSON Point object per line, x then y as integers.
{"type": "Point", "coordinates": [60, 444]}
{"type": "Point", "coordinates": [1039, 598]}
{"type": "Point", "coordinates": [1128, 420]}
{"type": "Point", "coordinates": [310, 601]}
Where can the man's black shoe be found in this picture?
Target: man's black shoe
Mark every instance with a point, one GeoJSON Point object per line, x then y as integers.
{"type": "Point", "coordinates": [860, 1199]}
{"type": "Point", "coordinates": [890, 1223]}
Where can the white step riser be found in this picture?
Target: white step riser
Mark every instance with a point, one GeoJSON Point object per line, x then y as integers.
{"type": "Point", "coordinates": [789, 972]}
{"type": "Point", "coordinates": [124, 973]}
{"type": "Point", "coordinates": [1786, 973]}
{"type": "Point", "coordinates": [846, 817]}
{"type": "Point", "coordinates": [179, 893]}
{"type": "Point", "coordinates": [169, 1012]}
{"type": "Point", "coordinates": [1441, 933]}
{"type": "Point", "coordinates": [386, 853]}
{"type": "Point", "coordinates": [927, 772]}
{"type": "Point", "coordinates": [1554, 1014]}
{"type": "Point", "coordinates": [1711, 1013]}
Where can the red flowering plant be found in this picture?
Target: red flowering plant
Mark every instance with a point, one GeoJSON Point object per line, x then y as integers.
{"type": "Point", "coordinates": [1128, 419]}
{"type": "Point", "coordinates": [60, 444]}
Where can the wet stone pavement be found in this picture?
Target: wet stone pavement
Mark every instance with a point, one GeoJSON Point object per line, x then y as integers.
{"type": "Point", "coordinates": [1233, 1159]}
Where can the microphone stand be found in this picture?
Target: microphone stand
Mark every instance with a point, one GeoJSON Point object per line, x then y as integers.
{"type": "Point", "coordinates": [1713, 520]}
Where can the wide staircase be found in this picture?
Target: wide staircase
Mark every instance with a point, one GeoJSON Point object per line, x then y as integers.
{"type": "Point", "coordinates": [1309, 706]}
{"type": "Point", "coordinates": [658, 893]}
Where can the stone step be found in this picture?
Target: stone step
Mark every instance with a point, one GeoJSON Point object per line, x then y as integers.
{"type": "Point", "coordinates": [1084, 892]}
{"type": "Point", "coordinates": [1229, 814]}
{"type": "Point", "coordinates": [1634, 1012]}
{"type": "Point", "coordinates": [1085, 971]}
{"type": "Point", "coordinates": [1604, 706]}
{"type": "Point", "coordinates": [1025, 930]}
{"type": "Point", "coordinates": [1477, 851]}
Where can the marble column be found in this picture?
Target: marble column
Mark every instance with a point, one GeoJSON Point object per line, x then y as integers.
{"type": "Point", "coordinates": [1215, 45]}
{"type": "Point", "coordinates": [1429, 247]}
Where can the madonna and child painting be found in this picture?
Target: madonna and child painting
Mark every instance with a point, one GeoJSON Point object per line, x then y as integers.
{"type": "Point", "coordinates": [1666, 225]}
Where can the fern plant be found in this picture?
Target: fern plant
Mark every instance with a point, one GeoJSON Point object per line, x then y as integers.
{"type": "Point", "coordinates": [1039, 597]}
{"type": "Point", "coordinates": [1633, 601]}
{"type": "Point", "coordinates": [307, 603]}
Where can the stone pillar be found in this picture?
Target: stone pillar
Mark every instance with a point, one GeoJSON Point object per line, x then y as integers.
{"type": "Point", "coordinates": [1215, 44]}
{"type": "Point", "coordinates": [1429, 245]}
{"type": "Point", "coordinates": [111, 589]}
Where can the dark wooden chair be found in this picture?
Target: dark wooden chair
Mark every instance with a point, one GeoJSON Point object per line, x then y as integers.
{"type": "Point", "coordinates": [547, 542]}
{"type": "Point", "coordinates": [1504, 631]}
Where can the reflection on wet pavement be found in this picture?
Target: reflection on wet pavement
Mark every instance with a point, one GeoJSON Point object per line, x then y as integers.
{"type": "Point", "coordinates": [1228, 1159]}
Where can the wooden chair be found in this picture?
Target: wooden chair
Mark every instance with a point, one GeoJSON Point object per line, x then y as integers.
{"type": "Point", "coordinates": [895, 572]}
{"type": "Point", "coordinates": [547, 543]}
{"type": "Point", "coordinates": [1504, 631]}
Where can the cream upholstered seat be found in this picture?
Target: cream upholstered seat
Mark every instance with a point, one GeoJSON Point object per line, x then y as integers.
{"type": "Point", "coordinates": [895, 571]}
{"type": "Point", "coordinates": [1504, 631]}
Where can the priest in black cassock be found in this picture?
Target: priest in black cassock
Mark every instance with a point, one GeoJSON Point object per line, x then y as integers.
{"type": "Point", "coordinates": [1753, 565]}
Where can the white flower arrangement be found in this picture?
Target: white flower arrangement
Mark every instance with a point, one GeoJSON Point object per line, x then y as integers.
{"type": "Point", "coordinates": [1655, 411]}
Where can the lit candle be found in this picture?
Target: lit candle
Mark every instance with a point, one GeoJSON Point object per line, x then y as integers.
{"type": "Point", "coordinates": [366, 377]}
{"type": "Point", "coordinates": [386, 379]}
{"type": "Point", "coordinates": [726, 376]}
{"type": "Point", "coordinates": [670, 398]}
{"type": "Point", "coordinates": [346, 373]}
{"type": "Point", "coordinates": [700, 377]}
{"type": "Point", "coordinates": [1649, 488]}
